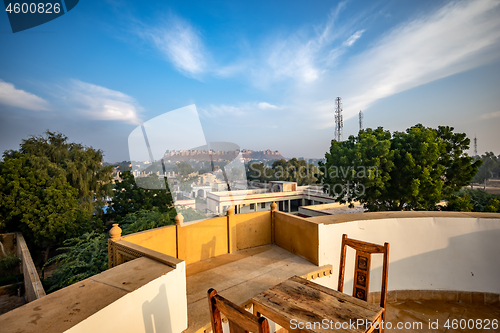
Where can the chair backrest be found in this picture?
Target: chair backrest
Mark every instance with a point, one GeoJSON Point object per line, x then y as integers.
{"type": "Point", "coordinates": [362, 264]}
{"type": "Point", "coordinates": [240, 320]}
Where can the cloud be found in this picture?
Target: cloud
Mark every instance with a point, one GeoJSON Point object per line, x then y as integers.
{"type": "Point", "coordinates": [292, 59]}
{"type": "Point", "coordinates": [354, 37]}
{"type": "Point", "coordinates": [243, 109]}
{"type": "Point", "coordinates": [9, 95]}
{"type": "Point", "coordinates": [305, 55]}
{"type": "Point", "coordinates": [490, 115]}
{"type": "Point", "coordinates": [223, 110]}
{"type": "Point", "coordinates": [457, 37]}
{"type": "Point", "coordinates": [180, 43]}
{"type": "Point", "coordinates": [101, 103]}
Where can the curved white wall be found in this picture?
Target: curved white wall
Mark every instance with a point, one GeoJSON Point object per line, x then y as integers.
{"type": "Point", "coordinates": [428, 253]}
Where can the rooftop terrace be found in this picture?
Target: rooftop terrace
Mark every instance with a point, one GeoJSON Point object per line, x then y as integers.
{"type": "Point", "coordinates": [441, 265]}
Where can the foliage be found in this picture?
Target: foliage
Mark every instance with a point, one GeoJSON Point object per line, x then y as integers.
{"type": "Point", "coordinates": [480, 200]}
{"type": "Point", "coordinates": [37, 199]}
{"type": "Point", "coordinates": [183, 170]}
{"type": "Point", "coordinates": [130, 197]}
{"type": "Point", "coordinates": [489, 168]}
{"type": "Point", "coordinates": [411, 170]}
{"type": "Point", "coordinates": [257, 172]}
{"type": "Point", "coordinates": [146, 219]}
{"type": "Point", "coordinates": [82, 166]}
{"type": "Point", "coordinates": [51, 189]}
{"type": "Point", "coordinates": [150, 219]}
{"type": "Point", "coordinates": [87, 255]}
{"type": "Point", "coordinates": [8, 263]}
{"type": "Point", "coordinates": [84, 256]}
{"type": "Point", "coordinates": [8, 278]}
{"type": "Point", "coordinates": [190, 214]}
{"type": "Point", "coordinates": [493, 205]}
{"type": "Point", "coordinates": [460, 204]}
{"type": "Point", "coordinates": [293, 170]}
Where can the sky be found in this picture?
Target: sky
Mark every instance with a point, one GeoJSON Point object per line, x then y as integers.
{"type": "Point", "coordinates": [262, 75]}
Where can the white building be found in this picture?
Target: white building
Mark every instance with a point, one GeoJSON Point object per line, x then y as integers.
{"type": "Point", "coordinates": [287, 195]}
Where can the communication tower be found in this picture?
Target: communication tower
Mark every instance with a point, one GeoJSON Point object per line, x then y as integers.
{"type": "Point", "coordinates": [339, 121]}
{"type": "Point", "coordinates": [475, 146]}
{"type": "Point", "coordinates": [360, 120]}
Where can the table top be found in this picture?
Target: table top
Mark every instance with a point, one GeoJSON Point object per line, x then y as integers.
{"type": "Point", "coordinates": [300, 305]}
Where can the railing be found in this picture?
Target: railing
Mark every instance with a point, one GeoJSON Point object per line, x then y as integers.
{"type": "Point", "coordinates": [199, 240]}
{"type": "Point", "coordinates": [121, 251]}
{"type": "Point", "coordinates": [32, 284]}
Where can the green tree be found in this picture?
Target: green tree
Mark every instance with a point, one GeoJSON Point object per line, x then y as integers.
{"type": "Point", "coordinates": [257, 172]}
{"type": "Point", "coordinates": [295, 171]}
{"type": "Point", "coordinates": [183, 170]}
{"type": "Point", "coordinates": [83, 166]}
{"type": "Point", "coordinates": [146, 219]}
{"type": "Point", "coordinates": [489, 166]}
{"type": "Point", "coordinates": [458, 203]}
{"type": "Point", "coordinates": [359, 169]}
{"type": "Point", "coordinates": [481, 200]}
{"type": "Point", "coordinates": [130, 197]}
{"type": "Point", "coordinates": [411, 170]}
{"type": "Point", "coordinates": [52, 190]}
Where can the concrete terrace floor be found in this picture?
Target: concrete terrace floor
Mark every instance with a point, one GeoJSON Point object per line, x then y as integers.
{"type": "Point", "coordinates": [244, 274]}
{"type": "Point", "coordinates": [440, 311]}
{"type": "Point", "coordinates": [239, 276]}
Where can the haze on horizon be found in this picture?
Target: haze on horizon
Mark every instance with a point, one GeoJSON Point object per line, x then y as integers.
{"type": "Point", "coordinates": [262, 75]}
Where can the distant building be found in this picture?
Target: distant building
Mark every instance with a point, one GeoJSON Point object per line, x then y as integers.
{"type": "Point", "coordinates": [287, 195]}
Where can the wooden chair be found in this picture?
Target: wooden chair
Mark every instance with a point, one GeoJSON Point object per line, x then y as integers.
{"type": "Point", "coordinates": [362, 263]}
{"type": "Point", "coordinates": [240, 320]}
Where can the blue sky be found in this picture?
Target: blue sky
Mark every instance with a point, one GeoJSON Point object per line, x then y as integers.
{"type": "Point", "coordinates": [263, 75]}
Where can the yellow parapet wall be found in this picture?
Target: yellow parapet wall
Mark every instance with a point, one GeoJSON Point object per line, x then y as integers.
{"type": "Point", "coordinates": [205, 239]}
{"type": "Point", "coordinates": [161, 239]}
{"type": "Point", "coordinates": [195, 241]}
{"type": "Point", "coordinates": [251, 229]}
{"type": "Point", "coordinates": [297, 235]}
{"type": "Point", "coordinates": [202, 240]}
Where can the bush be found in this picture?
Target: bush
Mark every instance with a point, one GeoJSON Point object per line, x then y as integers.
{"type": "Point", "coordinates": [460, 204]}
{"type": "Point", "coordinates": [145, 220]}
{"type": "Point", "coordinates": [474, 200]}
{"type": "Point", "coordinates": [9, 265]}
{"type": "Point", "coordinates": [85, 256]}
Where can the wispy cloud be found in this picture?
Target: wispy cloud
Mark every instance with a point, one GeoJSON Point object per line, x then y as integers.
{"type": "Point", "coordinates": [243, 109]}
{"type": "Point", "coordinates": [457, 37]}
{"type": "Point", "coordinates": [491, 115]}
{"type": "Point", "coordinates": [354, 37]}
{"type": "Point", "coordinates": [180, 43]}
{"type": "Point", "coordinates": [101, 103]}
{"type": "Point", "coordinates": [267, 106]}
{"type": "Point", "coordinates": [304, 56]}
{"type": "Point", "coordinates": [9, 95]}
{"type": "Point", "coordinates": [223, 110]}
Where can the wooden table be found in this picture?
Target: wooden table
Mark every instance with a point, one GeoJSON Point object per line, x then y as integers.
{"type": "Point", "coordinates": [299, 305]}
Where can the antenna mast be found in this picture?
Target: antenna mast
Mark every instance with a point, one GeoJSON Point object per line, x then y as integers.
{"type": "Point", "coordinates": [339, 121]}
{"type": "Point", "coordinates": [475, 146]}
{"type": "Point", "coordinates": [360, 120]}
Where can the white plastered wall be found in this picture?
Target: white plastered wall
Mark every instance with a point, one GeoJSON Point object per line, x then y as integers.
{"type": "Point", "coordinates": [158, 306]}
{"type": "Point", "coordinates": [425, 253]}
